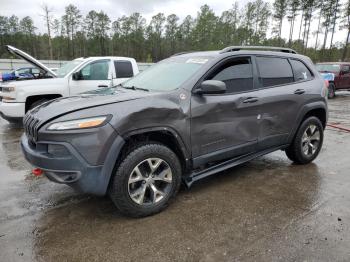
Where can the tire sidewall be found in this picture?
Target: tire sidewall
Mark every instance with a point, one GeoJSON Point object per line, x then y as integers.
{"type": "Point", "coordinates": [331, 91]}
{"type": "Point", "coordinates": [311, 120]}
{"type": "Point", "coordinates": [120, 182]}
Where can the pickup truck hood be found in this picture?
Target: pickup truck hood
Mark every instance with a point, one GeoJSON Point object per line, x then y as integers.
{"type": "Point", "coordinates": [31, 60]}
{"type": "Point", "coordinates": [65, 105]}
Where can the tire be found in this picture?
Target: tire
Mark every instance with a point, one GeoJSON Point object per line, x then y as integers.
{"type": "Point", "coordinates": [331, 90]}
{"type": "Point", "coordinates": [136, 166]}
{"type": "Point", "coordinates": [37, 103]}
{"type": "Point", "coordinates": [302, 140]}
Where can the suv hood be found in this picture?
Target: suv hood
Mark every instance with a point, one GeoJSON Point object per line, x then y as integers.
{"type": "Point", "coordinates": [23, 55]}
{"type": "Point", "coordinates": [61, 106]}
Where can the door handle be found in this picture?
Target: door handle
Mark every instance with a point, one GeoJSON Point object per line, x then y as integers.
{"type": "Point", "coordinates": [299, 91]}
{"type": "Point", "coordinates": [250, 100]}
{"type": "Point", "coordinates": [101, 86]}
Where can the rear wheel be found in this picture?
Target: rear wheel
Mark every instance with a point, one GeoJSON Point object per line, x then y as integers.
{"type": "Point", "coordinates": [307, 142]}
{"type": "Point", "coordinates": [331, 90]}
{"type": "Point", "coordinates": [146, 180]}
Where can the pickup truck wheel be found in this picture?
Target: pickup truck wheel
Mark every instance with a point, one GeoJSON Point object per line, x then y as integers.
{"type": "Point", "coordinates": [37, 103]}
{"type": "Point", "coordinates": [307, 142]}
{"type": "Point", "coordinates": [331, 90]}
{"type": "Point", "coordinates": [146, 180]}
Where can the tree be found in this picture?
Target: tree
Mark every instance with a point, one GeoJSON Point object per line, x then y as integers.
{"type": "Point", "coordinates": [345, 24]}
{"type": "Point", "coordinates": [292, 10]}
{"type": "Point", "coordinates": [71, 20]}
{"type": "Point", "coordinates": [204, 32]}
{"type": "Point", "coordinates": [334, 20]}
{"type": "Point", "coordinates": [280, 11]}
{"type": "Point", "coordinates": [155, 31]}
{"type": "Point", "coordinates": [48, 20]}
{"type": "Point", "coordinates": [171, 29]}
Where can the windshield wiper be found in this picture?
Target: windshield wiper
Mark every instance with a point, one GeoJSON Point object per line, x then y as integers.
{"type": "Point", "coordinates": [135, 88]}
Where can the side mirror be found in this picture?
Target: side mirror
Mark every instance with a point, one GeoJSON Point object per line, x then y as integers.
{"type": "Point", "coordinates": [77, 76]}
{"type": "Point", "coordinates": [211, 87]}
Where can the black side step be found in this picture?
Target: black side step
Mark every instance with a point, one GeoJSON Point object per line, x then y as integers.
{"type": "Point", "coordinates": [195, 176]}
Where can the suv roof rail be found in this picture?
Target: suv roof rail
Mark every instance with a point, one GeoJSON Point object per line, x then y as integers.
{"type": "Point", "coordinates": [182, 53]}
{"type": "Point", "coordinates": [273, 48]}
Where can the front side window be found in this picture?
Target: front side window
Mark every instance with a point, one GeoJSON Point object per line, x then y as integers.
{"type": "Point", "coordinates": [123, 69]}
{"type": "Point", "coordinates": [301, 72]}
{"type": "Point", "coordinates": [274, 71]}
{"type": "Point", "coordinates": [95, 71]}
{"type": "Point", "coordinates": [167, 75]}
{"type": "Point", "coordinates": [237, 74]}
{"type": "Point", "coordinates": [67, 68]}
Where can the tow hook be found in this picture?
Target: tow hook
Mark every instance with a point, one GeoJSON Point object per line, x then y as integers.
{"type": "Point", "coordinates": [37, 172]}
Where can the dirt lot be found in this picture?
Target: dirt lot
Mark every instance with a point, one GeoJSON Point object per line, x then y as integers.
{"type": "Point", "coordinates": [265, 210]}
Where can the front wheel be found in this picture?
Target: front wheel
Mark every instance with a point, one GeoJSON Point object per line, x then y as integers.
{"type": "Point", "coordinates": [146, 180]}
{"type": "Point", "coordinates": [307, 142]}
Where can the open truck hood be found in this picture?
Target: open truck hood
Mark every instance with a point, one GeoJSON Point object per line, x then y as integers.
{"type": "Point", "coordinates": [29, 59]}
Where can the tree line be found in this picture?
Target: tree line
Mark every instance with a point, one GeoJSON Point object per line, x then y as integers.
{"type": "Point", "coordinates": [256, 23]}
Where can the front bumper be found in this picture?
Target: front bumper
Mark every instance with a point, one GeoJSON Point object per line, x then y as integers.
{"type": "Point", "coordinates": [12, 110]}
{"type": "Point", "coordinates": [71, 168]}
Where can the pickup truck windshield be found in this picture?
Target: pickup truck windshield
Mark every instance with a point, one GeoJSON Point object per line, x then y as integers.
{"type": "Point", "coordinates": [328, 68]}
{"type": "Point", "coordinates": [67, 67]}
{"type": "Point", "coordinates": [166, 75]}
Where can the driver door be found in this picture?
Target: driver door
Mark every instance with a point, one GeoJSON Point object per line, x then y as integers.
{"type": "Point", "coordinates": [225, 125]}
{"type": "Point", "coordinates": [92, 76]}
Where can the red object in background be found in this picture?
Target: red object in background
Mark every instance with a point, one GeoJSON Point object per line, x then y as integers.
{"type": "Point", "coordinates": [37, 172]}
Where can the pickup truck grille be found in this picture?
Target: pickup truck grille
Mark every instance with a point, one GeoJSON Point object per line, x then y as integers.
{"type": "Point", "coordinates": [30, 123]}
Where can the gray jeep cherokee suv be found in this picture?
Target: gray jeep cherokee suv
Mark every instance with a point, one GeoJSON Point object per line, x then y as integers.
{"type": "Point", "coordinates": [183, 119]}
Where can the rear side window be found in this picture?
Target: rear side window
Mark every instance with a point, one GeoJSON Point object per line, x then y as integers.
{"type": "Point", "coordinates": [236, 74]}
{"type": "Point", "coordinates": [123, 69]}
{"type": "Point", "coordinates": [274, 71]}
{"type": "Point", "coordinates": [301, 72]}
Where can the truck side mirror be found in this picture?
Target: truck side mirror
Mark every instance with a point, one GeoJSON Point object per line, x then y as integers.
{"type": "Point", "coordinates": [211, 87]}
{"type": "Point", "coordinates": [77, 76]}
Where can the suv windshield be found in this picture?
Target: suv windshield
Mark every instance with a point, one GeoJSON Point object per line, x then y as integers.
{"type": "Point", "coordinates": [328, 68]}
{"type": "Point", "coordinates": [67, 67]}
{"type": "Point", "coordinates": [167, 75]}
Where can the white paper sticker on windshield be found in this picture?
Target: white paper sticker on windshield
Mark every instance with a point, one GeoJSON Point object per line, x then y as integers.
{"type": "Point", "coordinates": [197, 61]}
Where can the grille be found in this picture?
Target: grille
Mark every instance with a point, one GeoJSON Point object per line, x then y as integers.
{"type": "Point", "coordinates": [31, 123]}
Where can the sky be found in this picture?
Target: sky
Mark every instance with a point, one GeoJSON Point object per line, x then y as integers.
{"type": "Point", "coordinates": [118, 8]}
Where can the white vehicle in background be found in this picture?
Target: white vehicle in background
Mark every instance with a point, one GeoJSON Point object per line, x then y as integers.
{"type": "Point", "coordinates": [75, 77]}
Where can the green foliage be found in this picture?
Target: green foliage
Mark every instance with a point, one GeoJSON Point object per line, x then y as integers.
{"type": "Point", "coordinates": [94, 34]}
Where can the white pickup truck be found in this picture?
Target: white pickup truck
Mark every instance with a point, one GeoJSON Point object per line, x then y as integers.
{"type": "Point", "coordinates": [75, 77]}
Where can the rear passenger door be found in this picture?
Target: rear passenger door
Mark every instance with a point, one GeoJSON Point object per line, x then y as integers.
{"type": "Point", "coordinates": [281, 95]}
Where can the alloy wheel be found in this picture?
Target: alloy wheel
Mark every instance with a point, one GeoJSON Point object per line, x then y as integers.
{"type": "Point", "coordinates": [310, 140]}
{"type": "Point", "coordinates": [150, 181]}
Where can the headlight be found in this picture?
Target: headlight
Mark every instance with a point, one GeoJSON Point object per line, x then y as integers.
{"type": "Point", "coordinates": [78, 123]}
{"type": "Point", "coordinates": [8, 88]}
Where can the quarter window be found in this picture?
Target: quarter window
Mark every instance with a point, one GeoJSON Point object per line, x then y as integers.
{"type": "Point", "coordinates": [236, 74]}
{"type": "Point", "coordinates": [301, 72]}
{"type": "Point", "coordinates": [123, 69]}
{"type": "Point", "coordinates": [274, 71]}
